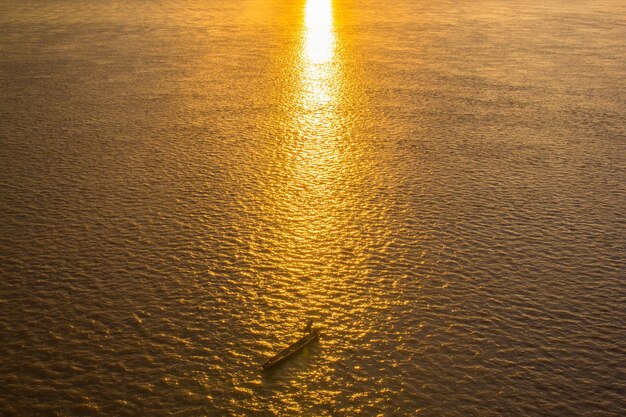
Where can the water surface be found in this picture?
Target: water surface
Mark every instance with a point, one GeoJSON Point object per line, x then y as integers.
{"type": "Point", "coordinates": [440, 185]}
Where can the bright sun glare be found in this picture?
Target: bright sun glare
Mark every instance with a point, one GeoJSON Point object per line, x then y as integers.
{"type": "Point", "coordinates": [317, 98]}
{"type": "Point", "coordinates": [318, 71]}
{"type": "Point", "coordinates": [319, 31]}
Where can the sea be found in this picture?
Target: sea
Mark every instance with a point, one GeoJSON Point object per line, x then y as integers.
{"type": "Point", "coordinates": [439, 184]}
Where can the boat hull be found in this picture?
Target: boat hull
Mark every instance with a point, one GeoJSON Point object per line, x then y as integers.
{"type": "Point", "coordinates": [291, 350]}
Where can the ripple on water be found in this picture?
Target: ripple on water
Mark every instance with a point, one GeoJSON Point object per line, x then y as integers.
{"type": "Point", "coordinates": [440, 186]}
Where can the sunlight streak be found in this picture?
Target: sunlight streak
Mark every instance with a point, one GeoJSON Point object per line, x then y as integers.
{"type": "Point", "coordinates": [318, 69]}
{"type": "Point", "coordinates": [320, 38]}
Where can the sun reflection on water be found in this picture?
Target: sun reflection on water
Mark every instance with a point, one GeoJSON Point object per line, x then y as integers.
{"type": "Point", "coordinates": [320, 38]}
{"type": "Point", "coordinates": [311, 248]}
{"type": "Point", "coordinates": [308, 193]}
{"type": "Point", "coordinates": [316, 103]}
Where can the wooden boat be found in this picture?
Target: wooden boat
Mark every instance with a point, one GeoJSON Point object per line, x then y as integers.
{"type": "Point", "coordinates": [292, 349]}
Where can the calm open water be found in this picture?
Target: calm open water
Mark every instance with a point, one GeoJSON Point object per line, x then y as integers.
{"type": "Point", "coordinates": [441, 185]}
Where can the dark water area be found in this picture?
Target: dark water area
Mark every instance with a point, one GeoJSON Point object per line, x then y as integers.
{"type": "Point", "coordinates": [440, 185]}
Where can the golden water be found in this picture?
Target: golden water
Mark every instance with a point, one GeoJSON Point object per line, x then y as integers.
{"type": "Point", "coordinates": [440, 185]}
